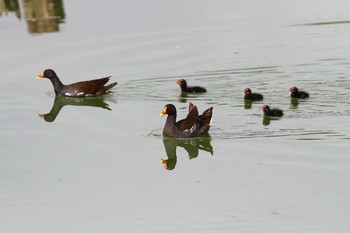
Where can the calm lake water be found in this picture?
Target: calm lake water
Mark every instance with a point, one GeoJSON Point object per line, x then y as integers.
{"type": "Point", "coordinates": [101, 164]}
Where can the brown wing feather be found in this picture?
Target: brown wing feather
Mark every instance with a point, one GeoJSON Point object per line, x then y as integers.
{"type": "Point", "coordinates": [89, 87]}
{"type": "Point", "coordinates": [191, 106]}
{"type": "Point", "coordinates": [191, 118]}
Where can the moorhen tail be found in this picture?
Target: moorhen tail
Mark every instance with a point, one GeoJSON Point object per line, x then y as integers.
{"type": "Point", "coordinates": [248, 95]}
{"type": "Point", "coordinates": [204, 119]}
{"type": "Point", "coordinates": [80, 89]}
{"type": "Point", "coordinates": [272, 112]}
{"type": "Point", "coordinates": [196, 89]}
{"type": "Point", "coordinates": [193, 125]}
{"type": "Point", "coordinates": [295, 93]}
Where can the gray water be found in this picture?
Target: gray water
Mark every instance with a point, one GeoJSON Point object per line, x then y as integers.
{"type": "Point", "coordinates": [101, 164]}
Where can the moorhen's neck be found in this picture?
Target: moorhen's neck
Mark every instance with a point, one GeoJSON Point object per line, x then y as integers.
{"type": "Point", "coordinates": [57, 84]}
{"type": "Point", "coordinates": [183, 86]}
{"type": "Point", "coordinates": [171, 119]}
{"type": "Point", "coordinates": [169, 124]}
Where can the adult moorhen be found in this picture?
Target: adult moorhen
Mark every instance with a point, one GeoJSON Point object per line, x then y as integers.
{"type": "Point", "coordinates": [85, 88]}
{"type": "Point", "coordinates": [193, 125]}
{"type": "Point", "coordinates": [248, 95]}
{"type": "Point", "coordinates": [196, 89]}
{"type": "Point", "coordinates": [295, 93]}
{"type": "Point", "coordinates": [272, 112]}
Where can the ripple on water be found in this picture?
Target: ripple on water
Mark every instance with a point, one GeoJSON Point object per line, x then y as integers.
{"type": "Point", "coordinates": [313, 118]}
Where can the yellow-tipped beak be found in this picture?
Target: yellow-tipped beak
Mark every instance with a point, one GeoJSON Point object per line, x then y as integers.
{"type": "Point", "coordinates": [163, 112]}
{"type": "Point", "coordinates": [39, 76]}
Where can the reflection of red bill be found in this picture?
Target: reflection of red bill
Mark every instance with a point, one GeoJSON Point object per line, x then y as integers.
{"type": "Point", "coordinates": [163, 161]}
{"type": "Point", "coordinates": [40, 115]}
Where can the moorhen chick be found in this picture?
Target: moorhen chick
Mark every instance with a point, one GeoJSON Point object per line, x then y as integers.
{"type": "Point", "coordinates": [272, 112]}
{"type": "Point", "coordinates": [193, 125]}
{"type": "Point", "coordinates": [196, 89]}
{"type": "Point", "coordinates": [248, 95]}
{"type": "Point", "coordinates": [80, 89]}
{"type": "Point", "coordinates": [295, 93]}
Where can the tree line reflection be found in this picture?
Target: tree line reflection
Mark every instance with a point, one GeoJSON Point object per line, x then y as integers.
{"type": "Point", "coordinates": [41, 16]}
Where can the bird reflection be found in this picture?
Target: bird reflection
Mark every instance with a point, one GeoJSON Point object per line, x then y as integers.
{"type": "Point", "coordinates": [191, 145]}
{"type": "Point", "coordinates": [61, 101]}
{"type": "Point", "coordinates": [266, 120]}
{"type": "Point", "coordinates": [294, 102]}
{"type": "Point", "coordinates": [248, 104]}
{"type": "Point", "coordinates": [182, 97]}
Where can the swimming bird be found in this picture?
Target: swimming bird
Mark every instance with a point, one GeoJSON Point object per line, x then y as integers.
{"type": "Point", "coordinates": [295, 93]}
{"type": "Point", "coordinates": [248, 95]}
{"type": "Point", "coordinates": [193, 125]}
{"type": "Point", "coordinates": [80, 89]}
{"type": "Point", "coordinates": [195, 89]}
{"type": "Point", "coordinates": [272, 112]}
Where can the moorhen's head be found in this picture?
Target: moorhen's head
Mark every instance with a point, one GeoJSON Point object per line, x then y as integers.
{"type": "Point", "coordinates": [294, 89]}
{"type": "Point", "coordinates": [181, 82]}
{"type": "Point", "coordinates": [168, 109]}
{"type": "Point", "coordinates": [265, 108]}
{"type": "Point", "coordinates": [47, 74]}
{"type": "Point", "coordinates": [247, 91]}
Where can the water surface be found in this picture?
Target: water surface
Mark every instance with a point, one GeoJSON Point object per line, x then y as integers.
{"type": "Point", "coordinates": [101, 164]}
